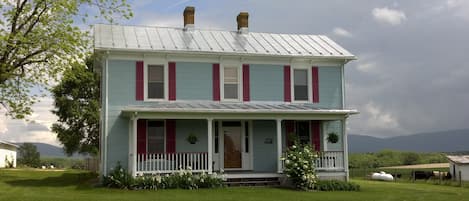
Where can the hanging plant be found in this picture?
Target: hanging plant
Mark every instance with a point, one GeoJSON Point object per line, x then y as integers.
{"type": "Point", "coordinates": [192, 138]}
{"type": "Point", "coordinates": [332, 137]}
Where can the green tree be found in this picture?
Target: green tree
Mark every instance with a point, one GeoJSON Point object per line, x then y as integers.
{"type": "Point", "coordinates": [28, 155]}
{"type": "Point", "coordinates": [410, 158]}
{"type": "Point", "coordinates": [38, 39]}
{"type": "Point", "coordinates": [77, 106]}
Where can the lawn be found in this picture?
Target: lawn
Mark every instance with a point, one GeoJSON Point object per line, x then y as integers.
{"type": "Point", "coordinates": [76, 185]}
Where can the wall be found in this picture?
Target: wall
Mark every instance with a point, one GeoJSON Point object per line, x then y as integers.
{"type": "Point", "coordinates": [7, 152]}
{"type": "Point", "coordinates": [265, 155]}
{"type": "Point", "coordinates": [121, 82]}
{"type": "Point", "coordinates": [193, 81]}
{"type": "Point", "coordinates": [336, 127]}
{"type": "Point", "coordinates": [196, 127]}
{"type": "Point", "coordinates": [330, 87]}
{"type": "Point", "coordinates": [266, 82]}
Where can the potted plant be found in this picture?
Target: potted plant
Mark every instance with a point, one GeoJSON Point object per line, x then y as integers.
{"type": "Point", "coordinates": [192, 138]}
{"type": "Point", "coordinates": [332, 137]}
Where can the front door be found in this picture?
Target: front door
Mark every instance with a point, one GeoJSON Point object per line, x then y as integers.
{"type": "Point", "coordinates": [232, 144]}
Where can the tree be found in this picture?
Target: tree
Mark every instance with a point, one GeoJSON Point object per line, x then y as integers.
{"type": "Point", "coordinates": [38, 39]}
{"type": "Point", "coordinates": [28, 155]}
{"type": "Point", "coordinates": [77, 106]}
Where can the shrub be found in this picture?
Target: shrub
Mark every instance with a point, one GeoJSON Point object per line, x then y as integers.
{"type": "Point", "coordinates": [335, 185]}
{"type": "Point", "coordinates": [119, 178]}
{"type": "Point", "coordinates": [299, 166]}
{"type": "Point", "coordinates": [182, 179]}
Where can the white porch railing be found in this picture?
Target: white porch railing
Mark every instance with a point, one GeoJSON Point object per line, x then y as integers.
{"type": "Point", "coordinates": [330, 160]}
{"type": "Point", "coordinates": [171, 162]}
{"type": "Point", "coordinates": [327, 161]}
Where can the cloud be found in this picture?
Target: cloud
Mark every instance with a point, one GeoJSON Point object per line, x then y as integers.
{"type": "Point", "coordinates": [389, 16]}
{"type": "Point", "coordinates": [35, 129]}
{"type": "Point", "coordinates": [342, 32]}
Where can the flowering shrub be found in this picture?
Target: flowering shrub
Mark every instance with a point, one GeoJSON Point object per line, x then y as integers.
{"type": "Point", "coordinates": [183, 179]}
{"type": "Point", "coordinates": [119, 178]}
{"type": "Point", "coordinates": [299, 166]}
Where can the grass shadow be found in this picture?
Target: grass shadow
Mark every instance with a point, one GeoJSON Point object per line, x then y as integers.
{"type": "Point", "coordinates": [81, 180]}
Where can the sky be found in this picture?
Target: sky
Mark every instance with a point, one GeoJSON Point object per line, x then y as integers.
{"type": "Point", "coordinates": [411, 76]}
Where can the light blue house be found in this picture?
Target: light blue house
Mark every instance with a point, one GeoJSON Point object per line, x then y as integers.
{"type": "Point", "coordinates": [219, 100]}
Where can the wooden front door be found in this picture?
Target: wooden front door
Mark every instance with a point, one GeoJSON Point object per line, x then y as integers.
{"type": "Point", "coordinates": [232, 144]}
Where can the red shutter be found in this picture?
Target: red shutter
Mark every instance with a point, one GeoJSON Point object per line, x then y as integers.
{"type": "Point", "coordinates": [316, 134]}
{"type": "Point", "coordinates": [286, 84]}
{"type": "Point", "coordinates": [246, 92]}
{"type": "Point", "coordinates": [170, 136]}
{"type": "Point", "coordinates": [172, 80]}
{"type": "Point", "coordinates": [315, 80]}
{"type": "Point", "coordinates": [289, 129]}
{"type": "Point", "coordinates": [216, 82]}
{"type": "Point", "coordinates": [141, 136]}
{"type": "Point", "coordinates": [139, 80]}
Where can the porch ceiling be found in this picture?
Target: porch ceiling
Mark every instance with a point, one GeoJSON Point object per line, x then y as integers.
{"type": "Point", "coordinates": [235, 108]}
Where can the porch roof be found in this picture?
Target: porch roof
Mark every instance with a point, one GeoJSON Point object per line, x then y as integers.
{"type": "Point", "coordinates": [236, 108]}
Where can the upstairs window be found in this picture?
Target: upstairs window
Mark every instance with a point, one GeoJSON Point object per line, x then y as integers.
{"type": "Point", "coordinates": [300, 83]}
{"type": "Point", "coordinates": [155, 133]}
{"type": "Point", "coordinates": [230, 83]}
{"type": "Point", "coordinates": [155, 82]}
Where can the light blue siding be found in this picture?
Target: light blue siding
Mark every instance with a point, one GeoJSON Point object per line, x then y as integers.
{"type": "Point", "coordinates": [330, 87]}
{"type": "Point", "coordinates": [336, 127]}
{"type": "Point", "coordinates": [196, 127]}
{"type": "Point", "coordinates": [121, 82]}
{"type": "Point", "coordinates": [193, 81]}
{"type": "Point", "coordinates": [265, 154]}
{"type": "Point", "coordinates": [117, 140]}
{"type": "Point", "coordinates": [266, 82]}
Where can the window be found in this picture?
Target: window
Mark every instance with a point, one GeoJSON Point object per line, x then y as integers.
{"type": "Point", "coordinates": [302, 132]}
{"type": "Point", "coordinates": [155, 82]}
{"type": "Point", "coordinates": [155, 134]}
{"type": "Point", "coordinates": [230, 83]}
{"type": "Point", "coordinates": [300, 90]}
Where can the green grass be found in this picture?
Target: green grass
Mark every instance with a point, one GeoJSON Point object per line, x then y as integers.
{"type": "Point", "coordinates": [76, 185]}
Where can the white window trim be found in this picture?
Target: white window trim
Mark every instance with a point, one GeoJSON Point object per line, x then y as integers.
{"type": "Point", "coordinates": [164, 135]}
{"type": "Point", "coordinates": [145, 80]}
{"type": "Point", "coordinates": [309, 82]}
{"type": "Point", "coordinates": [222, 82]}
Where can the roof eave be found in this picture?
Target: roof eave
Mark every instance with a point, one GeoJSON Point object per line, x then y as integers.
{"type": "Point", "coordinates": [346, 58]}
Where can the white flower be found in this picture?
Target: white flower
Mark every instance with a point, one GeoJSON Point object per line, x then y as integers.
{"type": "Point", "coordinates": [294, 147]}
{"type": "Point", "coordinates": [287, 161]}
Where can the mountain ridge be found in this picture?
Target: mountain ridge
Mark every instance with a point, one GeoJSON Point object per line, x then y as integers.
{"type": "Point", "coordinates": [438, 141]}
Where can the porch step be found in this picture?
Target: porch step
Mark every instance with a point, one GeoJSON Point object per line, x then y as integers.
{"type": "Point", "coordinates": [268, 181]}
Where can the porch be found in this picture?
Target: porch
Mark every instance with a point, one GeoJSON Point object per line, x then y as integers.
{"type": "Point", "coordinates": [231, 138]}
{"type": "Point", "coordinates": [162, 163]}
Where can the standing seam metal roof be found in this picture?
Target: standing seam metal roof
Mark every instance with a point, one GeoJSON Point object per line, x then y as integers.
{"type": "Point", "coordinates": [164, 39]}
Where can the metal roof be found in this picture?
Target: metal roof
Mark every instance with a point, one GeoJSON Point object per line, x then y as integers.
{"type": "Point", "coordinates": [175, 40]}
{"type": "Point", "coordinates": [8, 143]}
{"type": "Point", "coordinates": [215, 107]}
{"type": "Point", "coordinates": [461, 159]}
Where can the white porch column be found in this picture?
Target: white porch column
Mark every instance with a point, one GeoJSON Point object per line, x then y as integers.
{"type": "Point", "coordinates": [279, 145]}
{"type": "Point", "coordinates": [209, 148]}
{"type": "Point", "coordinates": [345, 147]}
{"type": "Point", "coordinates": [134, 147]}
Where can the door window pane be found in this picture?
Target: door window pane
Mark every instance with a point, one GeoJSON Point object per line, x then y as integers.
{"type": "Point", "coordinates": [231, 83]}
{"type": "Point", "coordinates": [156, 81]}
{"type": "Point", "coordinates": [155, 133]}
{"type": "Point", "coordinates": [302, 131]}
{"type": "Point", "coordinates": [300, 77]}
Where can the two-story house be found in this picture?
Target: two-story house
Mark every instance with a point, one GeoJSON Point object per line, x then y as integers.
{"type": "Point", "coordinates": [219, 100]}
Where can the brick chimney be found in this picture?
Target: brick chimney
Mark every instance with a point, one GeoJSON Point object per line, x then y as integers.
{"type": "Point", "coordinates": [242, 20]}
{"type": "Point", "coordinates": [189, 13]}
